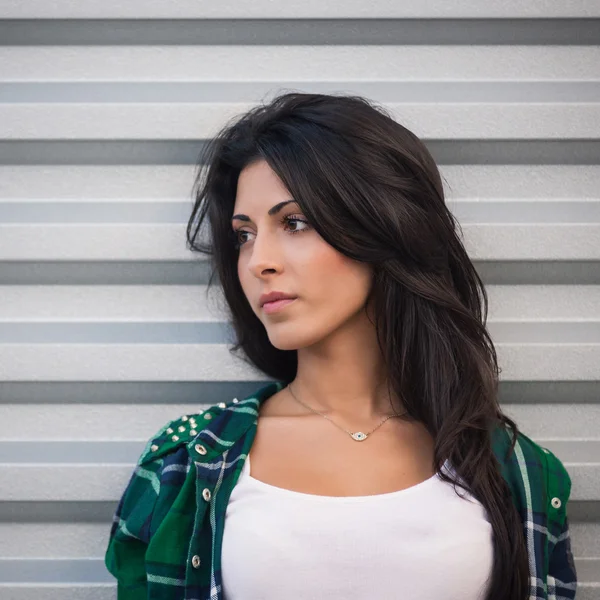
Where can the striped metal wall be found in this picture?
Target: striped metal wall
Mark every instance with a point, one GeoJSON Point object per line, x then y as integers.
{"type": "Point", "coordinates": [105, 331]}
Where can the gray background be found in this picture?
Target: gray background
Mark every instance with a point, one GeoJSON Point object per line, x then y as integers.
{"type": "Point", "coordinates": [105, 331]}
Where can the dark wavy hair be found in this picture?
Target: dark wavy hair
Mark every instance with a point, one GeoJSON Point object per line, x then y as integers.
{"type": "Point", "coordinates": [372, 190]}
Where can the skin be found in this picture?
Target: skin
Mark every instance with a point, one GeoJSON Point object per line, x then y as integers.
{"type": "Point", "coordinates": [339, 365]}
{"type": "Point", "coordinates": [340, 369]}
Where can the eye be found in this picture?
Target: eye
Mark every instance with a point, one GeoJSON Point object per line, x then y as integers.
{"type": "Point", "coordinates": [285, 221]}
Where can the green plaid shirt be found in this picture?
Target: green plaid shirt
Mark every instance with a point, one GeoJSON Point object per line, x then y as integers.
{"type": "Point", "coordinates": [166, 537]}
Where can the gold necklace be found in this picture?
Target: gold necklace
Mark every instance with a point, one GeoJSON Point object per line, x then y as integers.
{"type": "Point", "coordinates": [359, 436]}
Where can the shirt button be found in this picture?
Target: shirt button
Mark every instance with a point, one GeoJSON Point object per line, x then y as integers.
{"type": "Point", "coordinates": [195, 561]}
{"type": "Point", "coordinates": [200, 449]}
{"type": "Point", "coordinates": [556, 502]}
{"type": "Point", "coordinates": [206, 494]}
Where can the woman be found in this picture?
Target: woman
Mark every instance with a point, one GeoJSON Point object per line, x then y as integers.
{"type": "Point", "coordinates": [341, 479]}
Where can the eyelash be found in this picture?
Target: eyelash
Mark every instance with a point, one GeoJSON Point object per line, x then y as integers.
{"type": "Point", "coordinates": [235, 233]}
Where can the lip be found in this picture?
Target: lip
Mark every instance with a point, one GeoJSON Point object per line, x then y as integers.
{"type": "Point", "coordinates": [277, 305]}
{"type": "Point", "coordinates": [273, 296]}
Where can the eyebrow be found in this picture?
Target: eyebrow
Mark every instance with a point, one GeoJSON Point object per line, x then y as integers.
{"type": "Point", "coordinates": [272, 211]}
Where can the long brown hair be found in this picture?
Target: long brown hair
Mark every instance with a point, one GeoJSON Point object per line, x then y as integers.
{"type": "Point", "coordinates": [372, 190]}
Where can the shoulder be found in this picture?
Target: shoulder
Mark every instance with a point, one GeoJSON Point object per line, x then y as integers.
{"type": "Point", "coordinates": [555, 473]}
{"type": "Point", "coordinates": [555, 477]}
{"type": "Point", "coordinates": [181, 431]}
{"type": "Point", "coordinates": [536, 474]}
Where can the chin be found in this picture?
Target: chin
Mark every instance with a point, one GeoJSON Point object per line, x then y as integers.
{"type": "Point", "coordinates": [291, 340]}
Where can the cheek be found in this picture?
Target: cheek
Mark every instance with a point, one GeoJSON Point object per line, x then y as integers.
{"type": "Point", "coordinates": [339, 285]}
{"type": "Point", "coordinates": [338, 293]}
{"type": "Point", "coordinates": [248, 283]}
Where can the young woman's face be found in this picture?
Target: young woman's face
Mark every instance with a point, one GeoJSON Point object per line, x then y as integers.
{"type": "Point", "coordinates": [280, 254]}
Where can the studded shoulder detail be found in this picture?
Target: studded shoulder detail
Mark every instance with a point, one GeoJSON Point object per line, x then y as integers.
{"type": "Point", "coordinates": [181, 431]}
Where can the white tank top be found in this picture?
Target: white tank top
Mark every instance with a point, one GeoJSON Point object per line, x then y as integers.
{"type": "Point", "coordinates": [422, 542]}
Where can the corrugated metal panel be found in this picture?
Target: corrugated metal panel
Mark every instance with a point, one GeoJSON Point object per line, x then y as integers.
{"type": "Point", "coordinates": [103, 109]}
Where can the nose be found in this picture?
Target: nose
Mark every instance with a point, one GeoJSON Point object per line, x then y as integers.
{"type": "Point", "coordinates": [264, 254]}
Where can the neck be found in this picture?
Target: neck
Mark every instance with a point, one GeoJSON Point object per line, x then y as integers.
{"type": "Point", "coordinates": [350, 405]}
